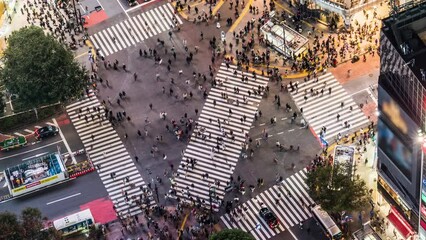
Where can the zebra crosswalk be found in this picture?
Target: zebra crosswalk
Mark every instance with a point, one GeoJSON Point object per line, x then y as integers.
{"type": "Point", "coordinates": [320, 107]}
{"type": "Point", "coordinates": [215, 147]}
{"type": "Point", "coordinates": [135, 29]}
{"type": "Point", "coordinates": [117, 171]}
{"type": "Point", "coordinates": [289, 201]}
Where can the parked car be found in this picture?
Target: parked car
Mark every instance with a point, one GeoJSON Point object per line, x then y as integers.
{"type": "Point", "coordinates": [269, 217]}
{"type": "Point", "coordinates": [46, 131]}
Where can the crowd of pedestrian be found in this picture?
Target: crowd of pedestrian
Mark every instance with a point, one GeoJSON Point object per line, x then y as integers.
{"type": "Point", "coordinates": [56, 19]}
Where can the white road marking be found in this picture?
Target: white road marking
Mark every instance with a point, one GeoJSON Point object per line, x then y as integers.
{"type": "Point", "coordinates": [291, 130]}
{"type": "Point", "coordinates": [280, 133]}
{"type": "Point", "coordinates": [371, 95]}
{"type": "Point", "coordinates": [64, 198]}
{"type": "Point", "coordinates": [28, 131]}
{"type": "Point", "coordinates": [37, 155]}
{"type": "Point", "coordinates": [74, 161]}
{"type": "Point", "coordinates": [14, 155]}
{"type": "Point", "coordinates": [19, 134]}
{"type": "Point", "coordinates": [123, 8]}
{"type": "Point", "coordinates": [262, 124]}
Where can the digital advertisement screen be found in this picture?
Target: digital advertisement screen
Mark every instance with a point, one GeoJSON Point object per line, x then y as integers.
{"type": "Point", "coordinates": [394, 149]}
{"type": "Point", "coordinates": [396, 115]}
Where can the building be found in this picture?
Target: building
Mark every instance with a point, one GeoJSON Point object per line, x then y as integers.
{"type": "Point", "coordinates": [332, 11]}
{"type": "Point", "coordinates": [402, 120]}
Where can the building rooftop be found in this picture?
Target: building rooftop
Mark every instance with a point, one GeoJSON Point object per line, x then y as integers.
{"type": "Point", "coordinates": [407, 33]}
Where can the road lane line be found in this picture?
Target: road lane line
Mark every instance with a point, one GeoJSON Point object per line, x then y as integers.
{"type": "Point", "coordinates": [64, 198]}
{"type": "Point", "coordinates": [240, 18]}
{"type": "Point", "coordinates": [19, 134]}
{"type": "Point", "coordinates": [291, 130]}
{"type": "Point", "coordinates": [35, 149]}
{"type": "Point", "coordinates": [37, 155]}
{"type": "Point", "coordinates": [123, 8]}
{"type": "Point", "coordinates": [280, 133]}
{"type": "Point", "coordinates": [74, 161]}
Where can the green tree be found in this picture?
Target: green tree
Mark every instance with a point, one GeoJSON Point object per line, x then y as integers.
{"type": "Point", "coordinates": [32, 223]}
{"type": "Point", "coordinates": [335, 190]}
{"type": "Point", "coordinates": [10, 227]}
{"type": "Point", "coordinates": [39, 69]}
{"type": "Point", "coordinates": [232, 234]}
{"type": "Point", "coordinates": [28, 226]}
{"type": "Point", "coordinates": [96, 233]}
{"type": "Point", "coordinates": [2, 103]}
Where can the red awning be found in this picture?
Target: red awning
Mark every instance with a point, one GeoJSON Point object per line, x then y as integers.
{"type": "Point", "coordinates": [400, 223]}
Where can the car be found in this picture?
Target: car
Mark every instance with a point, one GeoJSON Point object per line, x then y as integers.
{"type": "Point", "coordinates": [269, 217]}
{"type": "Point", "coordinates": [46, 131]}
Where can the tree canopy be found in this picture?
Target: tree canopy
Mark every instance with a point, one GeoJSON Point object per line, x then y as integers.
{"type": "Point", "coordinates": [232, 234]}
{"type": "Point", "coordinates": [335, 190]}
{"type": "Point", "coordinates": [27, 227]}
{"type": "Point", "coordinates": [39, 69]}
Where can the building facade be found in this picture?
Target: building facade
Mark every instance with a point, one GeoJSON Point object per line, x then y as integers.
{"type": "Point", "coordinates": [401, 122]}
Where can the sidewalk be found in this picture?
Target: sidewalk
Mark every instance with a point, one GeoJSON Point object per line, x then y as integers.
{"type": "Point", "coordinates": [367, 171]}
{"type": "Point", "coordinates": [181, 224]}
{"type": "Point", "coordinates": [275, 58]}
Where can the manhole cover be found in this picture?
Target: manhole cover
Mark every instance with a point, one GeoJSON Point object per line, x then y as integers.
{"type": "Point", "coordinates": [371, 75]}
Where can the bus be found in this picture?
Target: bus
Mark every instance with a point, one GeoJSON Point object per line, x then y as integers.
{"type": "Point", "coordinates": [326, 222]}
{"type": "Point", "coordinates": [77, 223]}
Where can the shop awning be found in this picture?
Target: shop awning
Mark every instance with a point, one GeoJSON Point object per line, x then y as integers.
{"type": "Point", "coordinates": [400, 223]}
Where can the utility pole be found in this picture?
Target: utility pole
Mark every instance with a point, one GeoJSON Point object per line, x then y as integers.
{"type": "Point", "coordinates": [76, 15]}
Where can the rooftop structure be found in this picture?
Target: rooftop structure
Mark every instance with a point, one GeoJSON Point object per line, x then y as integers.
{"type": "Point", "coordinates": [406, 32]}
{"type": "Point", "coordinates": [283, 38]}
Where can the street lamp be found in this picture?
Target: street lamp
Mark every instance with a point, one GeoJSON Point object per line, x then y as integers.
{"type": "Point", "coordinates": [421, 139]}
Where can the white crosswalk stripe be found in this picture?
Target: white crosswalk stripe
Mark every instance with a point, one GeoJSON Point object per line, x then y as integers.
{"type": "Point", "coordinates": [320, 109]}
{"type": "Point", "coordinates": [292, 208]}
{"type": "Point", "coordinates": [136, 29]}
{"type": "Point", "coordinates": [107, 151]}
{"type": "Point", "coordinates": [218, 160]}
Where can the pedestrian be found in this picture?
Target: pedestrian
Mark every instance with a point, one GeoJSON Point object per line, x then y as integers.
{"type": "Point", "coordinates": [136, 159]}
{"type": "Point", "coordinates": [150, 106]}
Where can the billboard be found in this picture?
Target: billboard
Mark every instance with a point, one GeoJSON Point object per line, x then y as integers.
{"type": "Point", "coordinates": [400, 154]}
{"type": "Point", "coordinates": [394, 115]}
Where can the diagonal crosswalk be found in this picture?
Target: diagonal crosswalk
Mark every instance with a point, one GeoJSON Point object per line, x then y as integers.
{"type": "Point", "coordinates": [320, 108]}
{"type": "Point", "coordinates": [135, 29]}
{"type": "Point", "coordinates": [291, 209]}
{"type": "Point", "coordinates": [217, 141]}
{"type": "Point", "coordinates": [106, 150]}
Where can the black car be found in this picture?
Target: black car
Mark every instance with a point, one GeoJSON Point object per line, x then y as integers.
{"type": "Point", "coordinates": [269, 217]}
{"type": "Point", "coordinates": [46, 131]}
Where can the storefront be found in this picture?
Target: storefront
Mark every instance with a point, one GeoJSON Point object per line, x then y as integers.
{"type": "Point", "coordinates": [400, 216]}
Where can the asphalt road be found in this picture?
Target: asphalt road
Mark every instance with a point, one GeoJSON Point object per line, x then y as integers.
{"type": "Point", "coordinates": [51, 201]}
{"type": "Point", "coordinates": [86, 188]}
